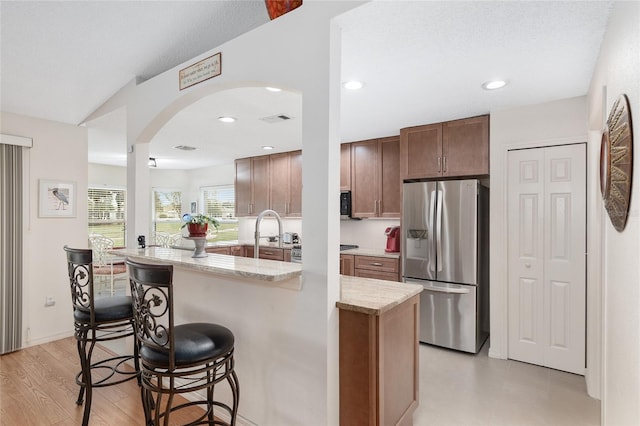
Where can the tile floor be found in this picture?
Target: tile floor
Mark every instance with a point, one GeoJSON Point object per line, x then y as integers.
{"type": "Point", "coordinates": [460, 389]}
{"type": "Point", "coordinates": [464, 389]}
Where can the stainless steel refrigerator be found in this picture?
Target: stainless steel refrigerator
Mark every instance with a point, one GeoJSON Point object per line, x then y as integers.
{"type": "Point", "coordinates": [445, 248]}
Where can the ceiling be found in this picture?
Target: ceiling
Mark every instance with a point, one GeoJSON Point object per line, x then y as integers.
{"type": "Point", "coordinates": [420, 61]}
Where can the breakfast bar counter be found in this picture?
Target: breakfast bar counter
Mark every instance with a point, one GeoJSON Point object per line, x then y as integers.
{"type": "Point", "coordinates": [279, 274]}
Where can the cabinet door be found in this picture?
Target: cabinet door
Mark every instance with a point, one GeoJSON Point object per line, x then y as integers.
{"type": "Point", "coordinates": [345, 167]}
{"type": "Point", "coordinates": [364, 178]}
{"type": "Point", "coordinates": [259, 184]}
{"type": "Point", "coordinates": [236, 251]}
{"type": "Point", "coordinates": [346, 264]}
{"type": "Point", "coordinates": [389, 204]}
{"type": "Point", "coordinates": [294, 207]}
{"type": "Point", "coordinates": [279, 182]}
{"type": "Point", "coordinates": [421, 151]}
{"type": "Point", "coordinates": [243, 187]}
{"type": "Point", "coordinates": [287, 255]}
{"type": "Point", "coordinates": [465, 147]}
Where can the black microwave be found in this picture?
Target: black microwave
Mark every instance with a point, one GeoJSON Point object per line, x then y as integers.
{"type": "Point", "coordinates": [345, 204]}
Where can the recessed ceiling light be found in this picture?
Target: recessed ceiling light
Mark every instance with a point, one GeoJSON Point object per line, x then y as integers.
{"type": "Point", "coordinates": [494, 84]}
{"type": "Point", "coordinates": [353, 85]}
{"type": "Point", "coordinates": [273, 89]}
{"type": "Point", "coordinates": [227, 119]}
{"type": "Point", "coordinates": [267, 147]}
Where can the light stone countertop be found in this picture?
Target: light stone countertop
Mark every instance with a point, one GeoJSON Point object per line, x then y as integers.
{"type": "Point", "coordinates": [366, 295]}
{"type": "Point", "coordinates": [239, 267]}
{"type": "Point", "coordinates": [373, 297]}
{"type": "Point", "coordinates": [188, 245]}
{"type": "Point", "coordinates": [371, 252]}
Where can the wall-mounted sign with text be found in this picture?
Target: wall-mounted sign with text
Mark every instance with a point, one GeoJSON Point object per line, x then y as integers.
{"type": "Point", "coordinates": [200, 71]}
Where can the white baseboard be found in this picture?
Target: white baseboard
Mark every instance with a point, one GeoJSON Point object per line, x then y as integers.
{"type": "Point", "coordinates": [496, 354]}
{"type": "Point", "coordinates": [47, 339]}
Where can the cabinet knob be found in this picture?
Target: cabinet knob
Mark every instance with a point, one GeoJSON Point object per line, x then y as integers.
{"type": "Point", "coordinates": [439, 164]}
{"type": "Point", "coordinates": [527, 265]}
{"type": "Point", "coordinates": [376, 264]}
{"type": "Point", "coordinates": [444, 164]}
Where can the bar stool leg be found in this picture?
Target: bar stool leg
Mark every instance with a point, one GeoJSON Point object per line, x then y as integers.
{"type": "Point", "coordinates": [235, 391]}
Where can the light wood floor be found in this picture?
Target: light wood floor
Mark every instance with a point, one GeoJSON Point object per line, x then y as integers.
{"type": "Point", "coordinates": [37, 387]}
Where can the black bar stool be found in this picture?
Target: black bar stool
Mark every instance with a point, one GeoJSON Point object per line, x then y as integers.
{"type": "Point", "coordinates": [177, 359]}
{"type": "Point", "coordinates": [98, 320]}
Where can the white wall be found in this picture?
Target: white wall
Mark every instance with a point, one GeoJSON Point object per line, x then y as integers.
{"type": "Point", "coordinates": [618, 70]}
{"type": "Point", "coordinates": [278, 53]}
{"type": "Point", "coordinates": [551, 123]}
{"type": "Point", "coordinates": [60, 153]}
{"type": "Point", "coordinates": [366, 233]}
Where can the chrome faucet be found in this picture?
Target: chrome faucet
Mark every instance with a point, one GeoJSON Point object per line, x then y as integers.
{"type": "Point", "coordinates": [256, 248]}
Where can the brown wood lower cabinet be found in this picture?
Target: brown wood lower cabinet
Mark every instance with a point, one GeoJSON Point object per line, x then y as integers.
{"type": "Point", "coordinates": [381, 268]}
{"type": "Point", "coordinates": [379, 366]}
{"type": "Point", "coordinates": [236, 251]}
{"type": "Point", "coordinates": [346, 264]}
{"type": "Point", "coordinates": [266, 253]}
{"type": "Point", "coordinates": [218, 250]}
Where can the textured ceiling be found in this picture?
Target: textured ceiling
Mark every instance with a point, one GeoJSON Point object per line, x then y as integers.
{"type": "Point", "coordinates": [62, 59]}
{"type": "Point", "coordinates": [421, 62]}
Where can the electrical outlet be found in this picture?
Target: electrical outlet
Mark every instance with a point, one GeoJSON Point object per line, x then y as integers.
{"type": "Point", "coordinates": [49, 301]}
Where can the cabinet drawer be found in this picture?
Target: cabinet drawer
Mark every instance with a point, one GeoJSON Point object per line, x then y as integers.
{"type": "Point", "coordinates": [365, 273]}
{"type": "Point", "coordinates": [217, 250]}
{"type": "Point", "coordinates": [382, 264]}
{"type": "Point", "coordinates": [271, 253]}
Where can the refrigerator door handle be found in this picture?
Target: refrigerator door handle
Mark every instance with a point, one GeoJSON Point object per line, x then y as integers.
{"type": "Point", "coordinates": [449, 290]}
{"type": "Point", "coordinates": [432, 211]}
{"type": "Point", "coordinates": [439, 259]}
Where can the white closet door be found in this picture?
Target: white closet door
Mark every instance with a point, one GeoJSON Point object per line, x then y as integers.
{"type": "Point", "coordinates": [547, 242]}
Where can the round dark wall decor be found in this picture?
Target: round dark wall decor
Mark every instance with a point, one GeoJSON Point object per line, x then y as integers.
{"type": "Point", "coordinates": [616, 163]}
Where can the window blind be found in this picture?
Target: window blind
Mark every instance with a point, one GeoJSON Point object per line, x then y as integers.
{"type": "Point", "coordinates": [220, 202]}
{"type": "Point", "coordinates": [107, 213]}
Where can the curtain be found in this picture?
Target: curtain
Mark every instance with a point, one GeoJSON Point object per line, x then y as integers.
{"type": "Point", "coordinates": [11, 225]}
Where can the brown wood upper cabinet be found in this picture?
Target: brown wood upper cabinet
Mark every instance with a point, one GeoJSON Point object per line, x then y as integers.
{"type": "Point", "coordinates": [375, 178]}
{"type": "Point", "coordinates": [269, 181]}
{"type": "Point", "coordinates": [285, 185]}
{"type": "Point", "coordinates": [252, 185]}
{"type": "Point", "coordinates": [345, 167]}
{"type": "Point", "coordinates": [451, 149]}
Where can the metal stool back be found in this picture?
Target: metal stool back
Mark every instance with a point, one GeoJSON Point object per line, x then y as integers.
{"type": "Point", "coordinates": [178, 359]}
{"type": "Point", "coordinates": [98, 320]}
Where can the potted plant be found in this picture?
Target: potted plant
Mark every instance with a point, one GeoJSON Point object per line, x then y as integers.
{"type": "Point", "coordinates": [198, 224]}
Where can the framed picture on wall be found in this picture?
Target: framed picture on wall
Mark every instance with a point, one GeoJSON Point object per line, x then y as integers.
{"type": "Point", "coordinates": [57, 198]}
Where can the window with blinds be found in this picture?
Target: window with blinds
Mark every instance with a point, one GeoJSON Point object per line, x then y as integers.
{"type": "Point", "coordinates": [167, 211]}
{"type": "Point", "coordinates": [219, 202]}
{"type": "Point", "coordinates": [107, 213]}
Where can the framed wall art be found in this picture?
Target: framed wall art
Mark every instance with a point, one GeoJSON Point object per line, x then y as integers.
{"type": "Point", "coordinates": [57, 198]}
{"type": "Point", "coordinates": [616, 163]}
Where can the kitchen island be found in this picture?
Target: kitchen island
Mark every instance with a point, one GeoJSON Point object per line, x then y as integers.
{"type": "Point", "coordinates": [379, 329]}
{"type": "Point", "coordinates": [278, 332]}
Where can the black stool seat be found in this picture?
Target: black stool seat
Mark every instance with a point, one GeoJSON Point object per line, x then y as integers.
{"type": "Point", "coordinates": [194, 343]}
{"type": "Point", "coordinates": [107, 309]}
